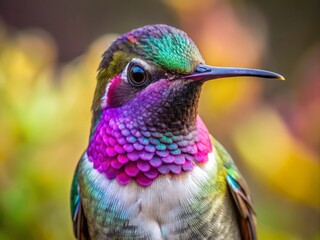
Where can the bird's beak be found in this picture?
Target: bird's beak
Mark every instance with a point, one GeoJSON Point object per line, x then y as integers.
{"type": "Point", "coordinates": [204, 72]}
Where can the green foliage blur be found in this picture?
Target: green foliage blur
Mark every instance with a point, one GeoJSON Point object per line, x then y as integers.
{"type": "Point", "coordinates": [270, 127]}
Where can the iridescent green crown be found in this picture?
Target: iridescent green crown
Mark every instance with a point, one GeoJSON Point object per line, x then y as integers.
{"type": "Point", "coordinates": [162, 45]}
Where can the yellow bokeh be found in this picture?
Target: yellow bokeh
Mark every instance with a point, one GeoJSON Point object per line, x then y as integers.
{"type": "Point", "coordinates": [273, 155]}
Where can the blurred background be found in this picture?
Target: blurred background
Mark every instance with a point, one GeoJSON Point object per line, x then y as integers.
{"type": "Point", "coordinates": [49, 53]}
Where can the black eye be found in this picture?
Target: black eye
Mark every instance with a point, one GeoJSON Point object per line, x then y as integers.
{"type": "Point", "coordinates": [137, 75]}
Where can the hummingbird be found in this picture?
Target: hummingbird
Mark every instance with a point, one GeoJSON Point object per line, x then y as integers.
{"type": "Point", "coordinates": [151, 169]}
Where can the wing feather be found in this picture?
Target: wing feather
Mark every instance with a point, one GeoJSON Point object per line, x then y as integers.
{"type": "Point", "coordinates": [240, 195]}
{"type": "Point", "coordinates": [80, 226]}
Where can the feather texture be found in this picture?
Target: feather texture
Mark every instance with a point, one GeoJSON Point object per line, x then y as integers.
{"type": "Point", "coordinates": [217, 179]}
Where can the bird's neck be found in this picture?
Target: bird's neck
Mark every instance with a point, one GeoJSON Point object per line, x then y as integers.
{"type": "Point", "coordinates": [124, 147]}
{"type": "Point", "coordinates": [172, 109]}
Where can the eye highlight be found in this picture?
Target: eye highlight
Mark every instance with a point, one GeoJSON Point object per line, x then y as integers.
{"type": "Point", "coordinates": [137, 75]}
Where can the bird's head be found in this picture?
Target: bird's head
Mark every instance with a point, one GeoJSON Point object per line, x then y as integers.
{"type": "Point", "coordinates": [145, 105]}
{"type": "Point", "coordinates": [157, 72]}
{"type": "Point", "coordinates": [142, 72]}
